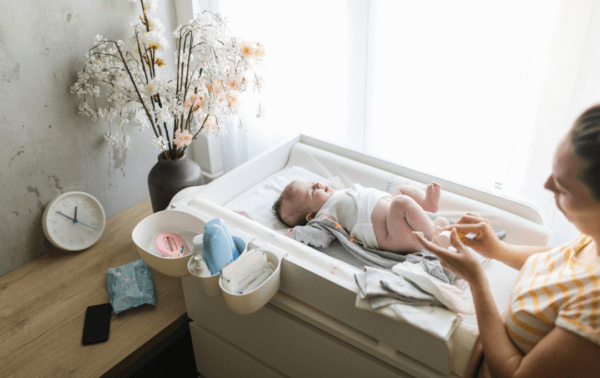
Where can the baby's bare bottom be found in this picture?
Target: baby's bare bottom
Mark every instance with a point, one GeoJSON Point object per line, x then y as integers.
{"type": "Point", "coordinates": [394, 220]}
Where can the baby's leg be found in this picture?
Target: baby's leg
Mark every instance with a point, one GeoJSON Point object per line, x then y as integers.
{"type": "Point", "coordinates": [428, 199]}
{"type": "Point", "coordinates": [393, 224]}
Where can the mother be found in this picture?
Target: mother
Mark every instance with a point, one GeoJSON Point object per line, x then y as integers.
{"type": "Point", "coordinates": [552, 325]}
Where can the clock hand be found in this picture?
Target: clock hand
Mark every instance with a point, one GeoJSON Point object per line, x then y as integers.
{"type": "Point", "coordinates": [80, 222]}
{"type": "Point", "coordinates": [75, 216]}
{"type": "Point", "coordinates": [74, 220]}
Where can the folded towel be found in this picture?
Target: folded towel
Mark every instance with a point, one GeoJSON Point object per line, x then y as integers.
{"type": "Point", "coordinates": [219, 247]}
{"type": "Point", "coordinates": [437, 321]}
{"type": "Point", "coordinates": [450, 296]}
{"type": "Point", "coordinates": [384, 288]}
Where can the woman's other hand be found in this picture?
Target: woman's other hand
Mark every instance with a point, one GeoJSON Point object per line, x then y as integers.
{"type": "Point", "coordinates": [485, 240]}
{"type": "Point", "coordinates": [463, 262]}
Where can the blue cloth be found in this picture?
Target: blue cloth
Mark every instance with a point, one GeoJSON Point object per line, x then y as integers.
{"type": "Point", "coordinates": [130, 285]}
{"type": "Point", "coordinates": [219, 247]}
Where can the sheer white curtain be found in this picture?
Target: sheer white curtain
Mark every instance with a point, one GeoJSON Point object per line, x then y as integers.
{"type": "Point", "coordinates": [476, 92]}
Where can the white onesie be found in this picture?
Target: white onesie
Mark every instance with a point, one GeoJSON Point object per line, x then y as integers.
{"type": "Point", "coordinates": [352, 208]}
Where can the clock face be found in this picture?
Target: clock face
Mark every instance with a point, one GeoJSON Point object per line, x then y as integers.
{"type": "Point", "coordinates": [74, 221]}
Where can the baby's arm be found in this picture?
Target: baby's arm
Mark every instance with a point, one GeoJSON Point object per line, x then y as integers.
{"type": "Point", "coordinates": [314, 235]}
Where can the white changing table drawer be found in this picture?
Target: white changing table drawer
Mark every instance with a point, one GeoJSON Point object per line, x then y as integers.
{"type": "Point", "coordinates": [216, 358]}
{"type": "Point", "coordinates": [273, 343]}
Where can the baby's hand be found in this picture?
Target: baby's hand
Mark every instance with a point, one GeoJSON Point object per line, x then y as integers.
{"type": "Point", "coordinates": [289, 233]}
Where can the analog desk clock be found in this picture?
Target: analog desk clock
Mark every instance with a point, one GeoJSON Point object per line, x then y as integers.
{"type": "Point", "coordinates": [74, 221]}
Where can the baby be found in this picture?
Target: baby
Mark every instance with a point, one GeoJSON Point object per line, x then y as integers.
{"type": "Point", "coordinates": [378, 219]}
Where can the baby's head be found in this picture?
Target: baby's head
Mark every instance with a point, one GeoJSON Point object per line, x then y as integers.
{"type": "Point", "coordinates": [300, 202]}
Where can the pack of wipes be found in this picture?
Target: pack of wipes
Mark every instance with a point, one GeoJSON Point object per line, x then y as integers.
{"type": "Point", "coordinates": [130, 285]}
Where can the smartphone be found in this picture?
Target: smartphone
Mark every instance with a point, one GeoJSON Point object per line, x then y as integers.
{"type": "Point", "coordinates": [97, 324]}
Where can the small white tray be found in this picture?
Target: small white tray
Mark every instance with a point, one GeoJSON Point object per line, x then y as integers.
{"type": "Point", "coordinates": [175, 221]}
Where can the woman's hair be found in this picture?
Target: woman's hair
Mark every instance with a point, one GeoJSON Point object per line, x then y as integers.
{"type": "Point", "coordinates": [585, 141]}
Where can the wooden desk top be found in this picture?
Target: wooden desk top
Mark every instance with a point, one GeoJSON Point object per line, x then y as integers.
{"type": "Point", "coordinates": [43, 304]}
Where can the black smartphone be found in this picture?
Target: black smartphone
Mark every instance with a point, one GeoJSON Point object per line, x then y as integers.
{"type": "Point", "coordinates": [97, 324]}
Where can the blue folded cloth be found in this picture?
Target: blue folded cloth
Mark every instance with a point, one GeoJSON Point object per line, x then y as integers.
{"type": "Point", "coordinates": [219, 247]}
{"type": "Point", "coordinates": [130, 285]}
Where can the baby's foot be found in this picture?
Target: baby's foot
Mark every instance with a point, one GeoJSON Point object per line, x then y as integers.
{"type": "Point", "coordinates": [432, 197]}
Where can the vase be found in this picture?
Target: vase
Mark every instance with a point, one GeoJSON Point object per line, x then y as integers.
{"type": "Point", "coordinates": [168, 177]}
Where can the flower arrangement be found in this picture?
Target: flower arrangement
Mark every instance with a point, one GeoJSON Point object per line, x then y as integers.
{"type": "Point", "coordinates": [212, 71]}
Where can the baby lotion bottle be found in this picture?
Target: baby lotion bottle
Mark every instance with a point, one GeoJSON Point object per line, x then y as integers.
{"type": "Point", "coordinates": [443, 238]}
{"type": "Point", "coordinates": [196, 265]}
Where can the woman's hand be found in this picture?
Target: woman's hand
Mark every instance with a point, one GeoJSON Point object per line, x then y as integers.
{"type": "Point", "coordinates": [463, 262]}
{"type": "Point", "coordinates": [485, 240]}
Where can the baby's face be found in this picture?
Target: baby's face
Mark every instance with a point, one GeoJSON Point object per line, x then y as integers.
{"type": "Point", "coordinates": [310, 196]}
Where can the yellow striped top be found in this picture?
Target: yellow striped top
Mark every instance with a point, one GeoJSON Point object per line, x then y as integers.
{"type": "Point", "coordinates": [554, 288]}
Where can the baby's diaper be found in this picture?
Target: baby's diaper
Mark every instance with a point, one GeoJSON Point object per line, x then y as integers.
{"type": "Point", "coordinates": [366, 199]}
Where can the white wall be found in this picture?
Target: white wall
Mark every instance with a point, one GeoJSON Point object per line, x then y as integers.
{"type": "Point", "coordinates": [47, 147]}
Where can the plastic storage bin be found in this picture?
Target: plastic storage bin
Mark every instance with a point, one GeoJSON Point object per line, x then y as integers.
{"type": "Point", "coordinates": [175, 221]}
{"type": "Point", "coordinates": [257, 298]}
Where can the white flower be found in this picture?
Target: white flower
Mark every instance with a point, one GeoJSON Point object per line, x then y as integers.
{"type": "Point", "coordinates": [211, 76]}
{"type": "Point", "coordinates": [164, 115]}
{"type": "Point", "coordinates": [112, 139]}
{"type": "Point", "coordinates": [160, 143]}
{"type": "Point", "coordinates": [150, 5]}
{"type": "Point", "coordinates": [154, 40]}
{"type": "Point", "coordinates": [234, 82]}
{"type": "Point", "coordinates": [259, 51]}
{"type": "Point", "coordinates": [156, 25]}
{"type": "Point", "coordinates": [247, 50]}
{"type": "Point", "coordinates": [141, 120]}
{"type": "Point", "coordinates": [98, 39]}
{"type": "Point", "coordinates": [126, 142]}
{"type": "Point", "coordinates": [232, 100]}
{"type": "Point", "coordinates": [155, 86]}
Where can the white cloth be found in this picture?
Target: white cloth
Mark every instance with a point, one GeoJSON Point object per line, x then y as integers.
{"type": "Point", "coordinates": [412, 306]}
{"type": "Point", "coordinates": [436, 321]}
{"type": "Point", "coordinates": [451, 296]}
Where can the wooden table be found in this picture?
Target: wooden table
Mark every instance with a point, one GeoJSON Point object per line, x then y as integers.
{"type": "Point", "coordinates": [43, 304]}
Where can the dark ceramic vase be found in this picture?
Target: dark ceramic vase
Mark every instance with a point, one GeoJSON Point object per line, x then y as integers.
{"type": "Point", "coordinates": [168, 177]}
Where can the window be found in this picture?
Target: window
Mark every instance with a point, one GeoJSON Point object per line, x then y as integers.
{"type": "Point", "coordinates": [471, 91]}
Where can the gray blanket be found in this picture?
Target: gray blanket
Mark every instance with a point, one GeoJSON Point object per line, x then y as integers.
{"type": "Point", "coordinates": [324, 233]}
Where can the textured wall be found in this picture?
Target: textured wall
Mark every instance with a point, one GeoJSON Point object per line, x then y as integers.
{"type": "Point", "coordinates": [47, 147]}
